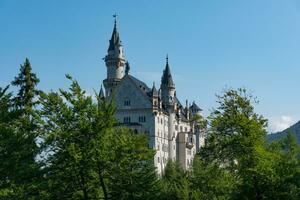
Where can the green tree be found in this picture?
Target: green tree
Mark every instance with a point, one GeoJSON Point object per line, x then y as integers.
{"type": "Point", "coordinates": [27, 81]}
{"type": "Point", "coordinates": [236, 143]}
{"type": "Point", "coordinates": [174, 182]}
{"type": "Point", "coordinates": [235, 129]}
{"type": "Point", "coordinates": [132, 172]}
{"type": "Point", "coordinates": [200, 121]}
{"type": "Point", "coordinates": [287, 167]}
{"type": "Point", "coordinates": [88, 157]}
{"type": "Point", "coordinates": [19, 132]}
{"type": "Point", "coordinates": [69, 120]}
{"type": "Point", "coordinates": [210, 181]}
{"type": "Point", "coordinates": [6, 190]}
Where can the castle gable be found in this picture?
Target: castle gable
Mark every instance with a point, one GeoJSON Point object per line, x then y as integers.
{"type": "Point", "coordinates": [132, 94]}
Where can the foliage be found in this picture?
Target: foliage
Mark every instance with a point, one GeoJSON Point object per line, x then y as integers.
{"type": "Point", "coordinates": [200, 121]}
{"type": "Point", "coordinates": [132, 173]}
{"type": "Point", "coordinates": [18, 134]}
{"type": "Point", "coordinates": [88, 158]}
{"type": "Point", "coordinates": [174, 182]}
{"type": "Point", "coordinates": [209, 181]}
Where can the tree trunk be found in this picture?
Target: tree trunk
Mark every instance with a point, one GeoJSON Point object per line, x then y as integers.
{"type": "Point", "coordinates": [101, 179]}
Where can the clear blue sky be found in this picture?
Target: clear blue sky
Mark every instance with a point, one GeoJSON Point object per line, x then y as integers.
{"type": "Point", "coordinates": [211, 45]}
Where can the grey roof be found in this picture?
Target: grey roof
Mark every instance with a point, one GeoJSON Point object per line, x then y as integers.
{"type": "Point", "coordinates": [166, 78]}
{"type": "Point", "coordinates": [149, 92]}
{"type": "Point", "coordinates": [194, 106]}
{"type": "Point", "coordinates": [183, 114]}
{"type": "Point", "coordinates": [115, 38]}
{"type": "Point", "coordinates": [141, 85]}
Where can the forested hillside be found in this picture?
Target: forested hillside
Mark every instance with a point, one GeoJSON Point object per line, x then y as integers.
{"type": "Point", "coordinates": [294, 129]}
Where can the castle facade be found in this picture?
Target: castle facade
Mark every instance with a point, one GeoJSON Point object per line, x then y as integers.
{"type": "Point", "coordinates": [157, 112]}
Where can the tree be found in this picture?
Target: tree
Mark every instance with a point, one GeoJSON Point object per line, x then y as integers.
{"type": "Point", "coordinates": [200, 122]}
{"type": "Point", "coordinates": [69, 120]}
{"type": "Point", "coordinates": [174, 182]}
{"type": "Point", "coordinates": [234, 130]}
{"type": "Point", "coordinates": [6, 190]}
{"type": "Point", "coordinates": [210, 181]}
{"type": "Point", "coordinates": [236, 143]}
{"type": "Point", "coordinates": [27, 82]}
{"type": "Point", "coordinates": [287, 167]}
{"type": "Point", "coordinates": [88, 157]}
{"type": "Point", "coordinates": [19, 131]}
{"type": "Point", "coordinates": [132, 173]}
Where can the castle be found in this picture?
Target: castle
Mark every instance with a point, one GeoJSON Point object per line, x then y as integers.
{"type": "Point", "coordinates": [170, 126]}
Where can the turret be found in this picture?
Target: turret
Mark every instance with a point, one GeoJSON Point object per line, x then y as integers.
{"type": "Point", "coordinates": [187, 109]}
{"type": "Point", "coordinates": [154, 95]}
{"type": "Point", "coordinates": [195, 110]}
{"type": "Point", "coordinates": [167, 87]}
{"type": "Point", "coordinates": [115, 61]}
{"type": "Point", "coordinates": [101, 93]}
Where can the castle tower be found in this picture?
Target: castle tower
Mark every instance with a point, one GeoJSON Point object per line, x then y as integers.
{"type": "Point", "coordinates": [115, 62]}
{"type": "Point", "coordinates": [168, 98]}
{"type": "Point", "coordinates": [167, 87]}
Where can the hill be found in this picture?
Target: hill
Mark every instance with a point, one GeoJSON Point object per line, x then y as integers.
{"type": "Point", "coordinates": [295, 129]}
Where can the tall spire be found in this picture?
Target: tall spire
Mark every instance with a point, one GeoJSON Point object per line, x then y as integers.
{"type": "Point", "coordinates": [114, 60]}
{"type": "Point", "coordinates": [115, 37]}
{"type": "Point", "coordinates": [154, 91]}
{"type": "Point", "coordinates": [167, 59]}
{"type": "Point", "coordinates": [101, 93]}
{"type": "Point", "coordinates": [167, 77]}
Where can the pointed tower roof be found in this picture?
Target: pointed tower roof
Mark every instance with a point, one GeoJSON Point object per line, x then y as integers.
{"type": "Point", "coordinates": [167, 77]}
{"type": "Point", "coordinates": [115, 37]}
{"type": "Point", "coordinates": [154, 91]}
{"type": "Point", "coordinates": [195, 107]}
{"type": "Point", "coordinates": [101, 93]}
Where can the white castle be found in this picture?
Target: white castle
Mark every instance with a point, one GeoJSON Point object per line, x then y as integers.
{"type": "Point", "coordinates": [158, 113]}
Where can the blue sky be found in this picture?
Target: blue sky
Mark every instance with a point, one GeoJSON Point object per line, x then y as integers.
{"type": "Point", "coordinates": [212, 45]}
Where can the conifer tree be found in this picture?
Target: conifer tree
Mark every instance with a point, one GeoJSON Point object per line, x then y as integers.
{"type": "Point", "coordinates": [19, 135]}
{"type": "Point", "coordinates": [26, 81]}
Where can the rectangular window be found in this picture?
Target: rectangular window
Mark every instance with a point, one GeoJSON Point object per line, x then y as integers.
{"type": "Point", "coordinates": [185, 129]}
{"type": "Point", "coordinates": [142, 119]}
{"type": "Point", "coordinates": [126, 120]}
{"type": "Point", "coordinates": [127, 103]}
{"type": "Point", "coordinates": [158, 159]}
